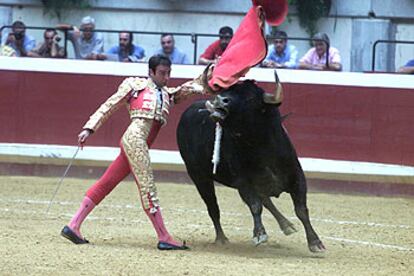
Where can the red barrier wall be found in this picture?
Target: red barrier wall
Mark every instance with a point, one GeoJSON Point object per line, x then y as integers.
{"type": "Point", "coordinates": [51, 108]}
{"type": "Point", "coordinates": [327, 121]}
{"type": "Point", "coordinates": [352, 123]}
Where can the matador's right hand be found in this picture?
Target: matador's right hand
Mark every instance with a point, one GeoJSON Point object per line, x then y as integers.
{"type": "Point", "coordinates": [83, 136]}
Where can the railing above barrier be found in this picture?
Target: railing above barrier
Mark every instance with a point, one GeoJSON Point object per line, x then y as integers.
{"type": "Point", "coordinates": [193, 36]}
{"type": "Point", "coordinates": [374, 48]}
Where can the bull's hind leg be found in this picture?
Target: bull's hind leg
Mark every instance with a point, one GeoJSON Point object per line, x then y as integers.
{"type": "Point", "coordinates": [255, 204]}
{"type": "Point", "coordinates": [299, 200]}
{"type": "Point", "coordinates": [208, 194]}
{"type": "Point", "coordinates": [285, 225]}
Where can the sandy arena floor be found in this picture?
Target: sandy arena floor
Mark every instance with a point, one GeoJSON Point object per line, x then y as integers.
{"type": "Point", "coordinates": [363, 235]}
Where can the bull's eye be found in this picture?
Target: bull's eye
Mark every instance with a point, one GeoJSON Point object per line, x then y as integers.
{"type": "Point", "coordinates": [226, 100]}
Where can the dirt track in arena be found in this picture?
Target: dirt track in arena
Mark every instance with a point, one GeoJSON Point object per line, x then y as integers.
{"type": "Point", "coordinates": [363, 235]}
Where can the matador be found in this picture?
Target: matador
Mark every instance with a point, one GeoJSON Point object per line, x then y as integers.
{"type": "Point", "coordinates": [148, 101]}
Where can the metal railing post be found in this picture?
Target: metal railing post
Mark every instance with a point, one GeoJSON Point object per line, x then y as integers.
{"type": "Point", "coordinates": [1, 31]}
{"type": "Point", "coordinates": [65, 43]}
{"type": "Point", "coordinates": [194, 39]}
{"type": "Point", "coordinates": [374, 47]}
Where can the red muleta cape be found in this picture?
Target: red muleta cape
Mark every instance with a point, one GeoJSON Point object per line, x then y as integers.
{"type": "Point", "coordinates": [248, 46]}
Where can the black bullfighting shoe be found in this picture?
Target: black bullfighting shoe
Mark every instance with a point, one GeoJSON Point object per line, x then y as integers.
{"type": "Point", "coordinates": [70, 235]}
{"type": "Point", "coordinates": [169, 246]}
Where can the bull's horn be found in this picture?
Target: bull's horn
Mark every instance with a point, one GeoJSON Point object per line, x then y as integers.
{"type": "Point", "coordinates": [276, 77]}
{"type": "Point", "coordinates": [276, 96]}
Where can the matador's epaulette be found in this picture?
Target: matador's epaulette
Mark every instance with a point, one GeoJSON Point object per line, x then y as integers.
{"type": "Point", "coordinates": [136, 83]}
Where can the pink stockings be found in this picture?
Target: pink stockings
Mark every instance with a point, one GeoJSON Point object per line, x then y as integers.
{"type": "Point", "coordinates": [86, 207]}
{"type": "Point", "coordinates": [116, 172]}
{"type": "Point", "coordinates": [158, 223]}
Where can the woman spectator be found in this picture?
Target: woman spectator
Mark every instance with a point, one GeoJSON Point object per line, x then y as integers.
{"type": "Point", "coordinates": [315, 58]}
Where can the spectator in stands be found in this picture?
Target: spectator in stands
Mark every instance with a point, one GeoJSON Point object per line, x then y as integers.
{"type": "Point", "coordinates": [169, 50]}
{"type": "Point", "coordinates": [50, 47]}
{"type": "Point", "coordinates": [315, 58]}
{"type": "Point", "coordinates": [17, 39]}
{"type": "Point", "coordinates": [126, 51]}
{"type": "Point", "coordinates": [280, 54]}
{"type": "Point", "coordinates": [408, 68]}
{"type": "Point", "coordinates": [216, 49]}
{"type": "Point", "coordinates": [87, 43]}
{"type": "Point", "coordinates": [7, 51]}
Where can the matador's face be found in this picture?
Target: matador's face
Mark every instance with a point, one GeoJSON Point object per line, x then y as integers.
{"type": "Point", "coordinates": [161, 75]}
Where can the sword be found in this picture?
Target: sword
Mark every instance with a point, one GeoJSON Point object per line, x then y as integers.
{"type": "Point", "coordinates": [61, 179]}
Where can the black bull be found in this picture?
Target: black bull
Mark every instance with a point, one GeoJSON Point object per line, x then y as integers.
{"type": "Point", "coordinates": [256, 158]}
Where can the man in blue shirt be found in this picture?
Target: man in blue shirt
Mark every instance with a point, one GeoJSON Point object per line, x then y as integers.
{"type": "Point", "coordinates": [408, 68]}
{"type": "Point", "coordinates": [280, 54]}
{"type": "Point", "coordinates": [87, 43]}
{"type": "Point", "coordinates": [19, 40]}
{"type": "Point", "coordinates": [169, 50]}
{"type": "Point", "coordinates": [126, 51]}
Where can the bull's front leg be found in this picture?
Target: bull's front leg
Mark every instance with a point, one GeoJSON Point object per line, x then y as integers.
{"type": "Point", "coordinates": [251, 198]}
{"type": "Point", "coordinates": [208, 194]}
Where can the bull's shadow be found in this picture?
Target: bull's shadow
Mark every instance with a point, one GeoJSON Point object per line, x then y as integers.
{"type": "Point", "coordinates": [257, 158]}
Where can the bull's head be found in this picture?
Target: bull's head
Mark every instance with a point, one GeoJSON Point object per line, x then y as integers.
{"type": "Point", "coordinates": [219, 107]}
{"type": "Point", "coordinates": [246, 95]}
{"type": "Point", "coordinates": [242, 101]}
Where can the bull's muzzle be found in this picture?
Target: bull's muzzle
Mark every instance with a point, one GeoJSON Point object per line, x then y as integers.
{"type": "Point", "coordinates": [219, 108]}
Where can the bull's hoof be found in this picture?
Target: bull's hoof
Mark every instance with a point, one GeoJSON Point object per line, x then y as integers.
{"type": "Point", "coordinates": [289, 229]}
{"type": "Point", "coordinates": [257, 240]}
{"type": "Point", "coordinates": [221, 241]}
{"type": "Point", "coordinates": [317, 247]}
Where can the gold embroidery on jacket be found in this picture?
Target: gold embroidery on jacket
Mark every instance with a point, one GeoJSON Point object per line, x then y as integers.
{"type": "Point", "coordinates": [136, 85]}
{"type": "Point", "coordinates": [134, 142]}
{"type": "Point", "coordinates": [150, 108]}
{"type": "Point", "coordinates": [114, 102]}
